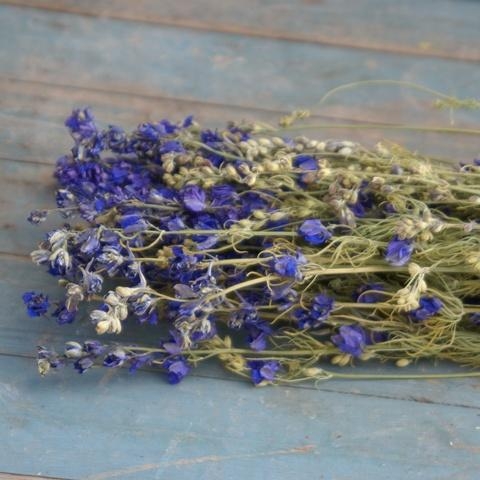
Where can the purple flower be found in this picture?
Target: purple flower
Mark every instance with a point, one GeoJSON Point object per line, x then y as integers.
{"type": "Point", "coordinates": [429, 306]}
{"type": "Point", "coordinates": [194, 198]}
{"type": "Point", "coordinates": [314, 232]}
{"type": "Point", "coordinates": [132, 222]}
{"type": "Point", "coordinates": [83, 364]}
{"type": "Point", "coordinates": [305, 162]}
{"type": "Point", "coordinates": [37, 303]}
{"type": "Point", "coordinates": [322, 306]}
{"type": "Point", "coordinates": [177, 368]}
{"type": "Point", "coordinates": [172, 146]}
{"type": "Point", "coordinates": [63, 315]}
{"type": "Point", "coordinates": [115, 358]}
{"type": "Point", "coordinates": [399, 251]}
{"type": "Point", "coordinates": [91, 282]}
{"type": "Point", "coordinates": [369, 293]}
{"type": "Point", "coordinates": [90, 244]}
{"type": "Point", "coordinates": [81, 124]}
{"type": "Point", "coordinates": [257, 341]}
{"type": "Point", "coordinates": [148, 132]}
{"type": "Point", "coordinates": [50, 356]}
{"type": "Point", "coordinates": [188, 121]}
{"type": "Point", "coordinates": [351, 339]}
{"type": "Point", "coordinates": [174, 345]}
{"type": "Point", "coordinates": [223, 195]}
{"type": "Point", "coordinates": [475, 319]}
{"type": "Point", "coordinates": [37, 216]}
{"type": "Point", "coordinates": [261, 370]}
{"type": "Point", "coordinates": [139, 361]}
{"type": "Point", "coordinates": [93, 347]}
{"type": "Point", "coordinates": [289, 265]}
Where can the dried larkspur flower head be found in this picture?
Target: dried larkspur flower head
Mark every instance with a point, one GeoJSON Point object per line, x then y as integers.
{"type": "Point", "coordinates": [272, 253]}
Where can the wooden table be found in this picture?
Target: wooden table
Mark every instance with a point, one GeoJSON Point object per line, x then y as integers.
{"type": "Point", "coordinates": [146, 60]}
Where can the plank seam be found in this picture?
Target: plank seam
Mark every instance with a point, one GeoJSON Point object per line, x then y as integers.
{"type": "Point", "coordinates": [28, 476]}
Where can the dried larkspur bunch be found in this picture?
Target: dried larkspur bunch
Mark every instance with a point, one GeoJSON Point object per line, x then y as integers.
{"type": "Point", "coordinates": [276, 255]}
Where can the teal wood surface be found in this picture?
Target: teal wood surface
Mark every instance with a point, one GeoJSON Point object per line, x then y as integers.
{"type": "Point", "coordinates": [137, 61]}
{"type": "Point", "coordinates": [122, 56]}
{"type": "Point", "coordinates": [107, 425]}
{"type": "Point", "coordinates": [408, 27]}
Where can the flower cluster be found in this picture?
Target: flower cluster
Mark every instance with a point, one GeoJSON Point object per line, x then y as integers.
{"type": "Point", "coordinates": [300, 250]}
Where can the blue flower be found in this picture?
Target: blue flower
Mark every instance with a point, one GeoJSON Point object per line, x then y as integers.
{"type": "Point", "coordinates": [139, 361]}
{"type": "Point", "coordinates": [115, 139]}
{"type": "Point", "coordinates": [132, 223]}
{"type": "Point", "coordinates": [172, 146]}
{"type": "Point", "coordinates": [370, 293]}
{"type": "Point", "coordinates": [429, 306]}
{"type": "Point", "coordinates": [50, 356]}
{"type": "Point", "coordinates": [90, 242]}
{"type": "Point", "coordinates": [289, 265]}
{"type": "Point", "coordinates": [322, 306]}
{"type": "Point", "coordinates": [83, 364]}
{"type": "Point", "coordinates": [314, 232]}
{"type": "Point", "coordinates": [351, 339]}
{"type": "Point", "coordinates": [148, 132]}
{"type": "Point", "coordinates": [261, 370]}
{"type": "Point", "coordinates": [475, 319]}
{"type": "Point", "coordinates": [194, 198]}
{"type": "Point", "coordinates": [188, 121]}
{"type": "Point", "coordinates": [37, 216]}
{"type": "Point", "coordinates": [174, 345]}
{"type": "Point", "coordinates": [115, 358]}
{"type": "Point", "coordinates": [81, 124]}
{"type": "Point", "coordinates": [177, 368]}
{"type": "Point", "coordinates": [63, 315]}
{"type": "Point", "coordinates": [92, 282]}
{"type": "Point", "coordinates": [223, 195]}
{"type": "Point", "coordinates": [93, 347]}
{"type": "Point", "coordinates": [305, 162]}
{"type": "Point", "coordinates": [399, 251]}
{"type": "Point", "coordinates": [37, 303]}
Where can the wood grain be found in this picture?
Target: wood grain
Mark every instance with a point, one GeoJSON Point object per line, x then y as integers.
{"type": "Point", "coordinates": [118, 56]}
{"type": "Point", "coordinates": [32, 116]}
{"type": "Point", "coordinates": [145, 60]}
{"type": "Point", "coordinates": [216, 429]}
{"type": "Point", "coordinates": [441, 29]}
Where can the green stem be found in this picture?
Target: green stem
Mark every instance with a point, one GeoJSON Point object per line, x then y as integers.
{"type": "Point", "coordinates": [401, 377]}
{"type": "Point", "coordinates": [383, 126]}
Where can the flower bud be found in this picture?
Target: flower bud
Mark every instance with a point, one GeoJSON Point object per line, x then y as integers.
{"type": "Point", "coordinates": [313, 372]}
{"type": "Point", "coordinates": [73, 350]}
{"type": "Point", "coordinates": [102, 327]}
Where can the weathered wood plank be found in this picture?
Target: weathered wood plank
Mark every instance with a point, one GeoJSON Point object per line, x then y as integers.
{"type": "Point", "coordinates": [437, 28]}
{"type": "Point", "coordinates": [23, 188]}
{"type": "Point", "coordinates": [107, 425]}
{"type": "Point", "coordinates": [212, 67]}
{"type": "Point", "coordinates": [32, 116]}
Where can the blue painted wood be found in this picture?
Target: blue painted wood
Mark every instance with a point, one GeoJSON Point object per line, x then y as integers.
{"type": "Point", "coordinates": [239, 71]}
{"type": "Point", "coordinates": [107, 425]}
{"type": "Point", "coordinates": [32, 116]}
{"type": "Point", "coordinates": [385, 25]}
